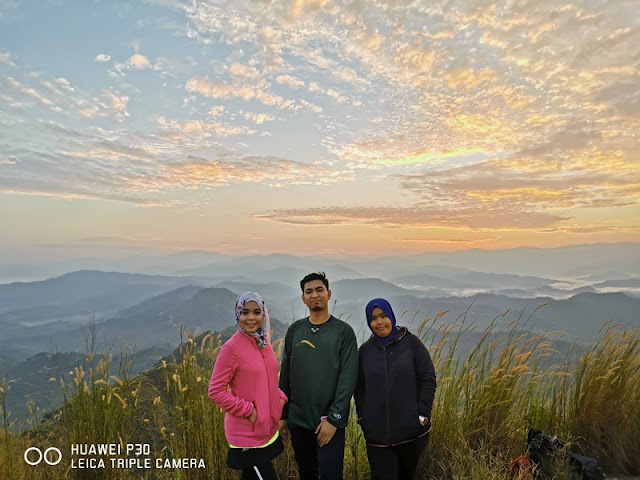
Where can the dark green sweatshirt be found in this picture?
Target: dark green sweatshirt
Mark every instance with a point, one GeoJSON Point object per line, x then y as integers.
{"type": "Point", "coordinates": [319, 372]}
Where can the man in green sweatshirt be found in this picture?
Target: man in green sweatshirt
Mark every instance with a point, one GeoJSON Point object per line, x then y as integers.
{"type": "Point", "coordinates": [318, 374]}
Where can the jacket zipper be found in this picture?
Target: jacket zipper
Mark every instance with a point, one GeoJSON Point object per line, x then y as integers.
{"type": "Point", "coordinates": [253, 425]}
{"type": "Point", "coordinates": [266, 374]}
{"type": "Point", "coordinates": [386, 383]}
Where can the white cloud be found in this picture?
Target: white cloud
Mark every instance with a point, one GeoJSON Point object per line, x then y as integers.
{"type": "Point", "coordinates": [259, 118]}
{"type": "Point", "coordinates": [220, 89]}
{"type": "Point", "coordinates": [311, 106]}
{"type": "Point", "coordinates": [244, 71]}
{"type": "Point", "coordinates": [445, 84]}
{"type": "Point", "coordinates": [58, 95]}
{"type": "Point", "coordinates": [176, 131]}
{"type": "Point", "coordinates": [64, 84]}
{"type": "Point", "coordinates": [292, 81]}
{"type": "Point", "coordinates": [29, 92]}
{"type": "Point", "coordinates": [5, 57]}
{"type": "Point", "coordinates": [216, 111]}
{"type": "Point", "coordinates": [334, 94]}
{"type": "Point", "coordinates": [130, 167]}
{"type": "Point", "coordinates": [118, 104]}
{"type": "Point", "coordinates": [350, 76]}
{"type": "Point", "coordinates": [271, 40]}
{"type": "Point", "coordinates": [139, 62]}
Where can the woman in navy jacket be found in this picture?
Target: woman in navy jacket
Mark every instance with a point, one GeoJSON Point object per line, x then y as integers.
{"type": "Point", "coordinates": [395, 392]}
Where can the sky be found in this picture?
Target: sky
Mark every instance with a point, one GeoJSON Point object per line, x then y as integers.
{"type": "Point", "coordinates": [317, 126]}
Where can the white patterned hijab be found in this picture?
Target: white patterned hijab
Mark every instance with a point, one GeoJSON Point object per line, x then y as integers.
{"type": "Point", "coordinates": [263, 334]}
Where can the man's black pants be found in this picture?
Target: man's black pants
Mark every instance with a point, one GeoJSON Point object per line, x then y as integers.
{"type": "Point", "coordinates": [315, 462]}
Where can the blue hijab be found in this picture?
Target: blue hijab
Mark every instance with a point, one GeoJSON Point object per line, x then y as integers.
{"type": "Point", "coordinates": [386, 308]}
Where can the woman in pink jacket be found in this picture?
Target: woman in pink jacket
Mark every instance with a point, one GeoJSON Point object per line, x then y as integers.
{"type": "Point", "coordinates": [245, 385]}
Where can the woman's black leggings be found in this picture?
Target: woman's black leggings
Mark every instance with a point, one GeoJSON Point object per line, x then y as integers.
{"type": "Point", "coordinates": [400, 462]}
{"type": "Point", "coordinates": [259, 472]}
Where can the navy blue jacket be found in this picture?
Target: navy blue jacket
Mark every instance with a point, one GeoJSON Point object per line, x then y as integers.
{"type": "Point", "coordinates": [396, 385]}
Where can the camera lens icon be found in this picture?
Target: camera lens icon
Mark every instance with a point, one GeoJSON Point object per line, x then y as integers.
{"type": "Point", "coordinates": [42, 456]}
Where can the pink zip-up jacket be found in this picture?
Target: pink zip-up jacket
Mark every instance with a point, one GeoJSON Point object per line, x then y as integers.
{"type": "Point", "coordinates": [245, 376]}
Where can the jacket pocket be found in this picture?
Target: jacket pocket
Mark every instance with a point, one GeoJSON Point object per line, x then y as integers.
{"type": "Point", "coordinates": [408, 426]}
{"type": "Point", "coordinates": [240, 425]}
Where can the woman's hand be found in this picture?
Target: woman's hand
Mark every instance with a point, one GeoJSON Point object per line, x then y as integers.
{"type": "Point", "coordinates": [254, 415]}
{"type": "Point", "coordinates": [283, 428]}
{"type": "Point", "coordinates": [282, 402]}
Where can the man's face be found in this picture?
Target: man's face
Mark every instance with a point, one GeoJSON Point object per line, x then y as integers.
{"type": "Point", "coordinates": [316, 296]}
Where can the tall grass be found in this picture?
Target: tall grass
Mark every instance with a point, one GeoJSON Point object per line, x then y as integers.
{"type": "Point", "coordinates": [99, 407]}
{"type": "Point", "coordinates": [487, 399]}
{"type": "Point", "coordinates": [603, 403]}
{"type": "Point", "coordinates": [198, 425]}
{"type": "Point", "coordinates": [7, 460]}
{"type": "Point", "coordinates": [490, 391]}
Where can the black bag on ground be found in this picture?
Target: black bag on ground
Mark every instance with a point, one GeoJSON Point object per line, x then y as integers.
{"type": "Point", "coordinates": [545, 449]}
{"type": "Point", "coordinates": [586, 467]}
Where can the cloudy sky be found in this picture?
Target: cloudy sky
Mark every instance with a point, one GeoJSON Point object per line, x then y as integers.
{"type": "Point", "coordinates": [318, 126]}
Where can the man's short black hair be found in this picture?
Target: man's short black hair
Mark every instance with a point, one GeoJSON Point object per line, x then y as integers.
{"type": "Point", "coordinates": [314, 276]}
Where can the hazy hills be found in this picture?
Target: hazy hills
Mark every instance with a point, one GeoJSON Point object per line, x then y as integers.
{"type": "Point", "coordinates": [156, 321]}
{"type": "Point", "coordinates": [363, 287]}
{"type": "Point", "coordinates": [573, 261]}
{"type": "Point", "coordinates": [30, 380]}
{"type": "Point", "coordinates": [149, 308]}
{"type": "Point", "coordinates": [153, 322]}
{"type": "Point", "coordinates": [438, 276]}
{"type": "Point", "coordinates": [581, 288]}
{"type": "Point", "coordinates": [82, 291]}
{"type": "Point", "coordinates": [592, 262]}
{"type": "Point", "coordinates": [580, 316]}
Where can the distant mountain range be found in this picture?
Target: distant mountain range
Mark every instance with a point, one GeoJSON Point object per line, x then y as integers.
{"type": "Point", "coordinates": [30, 380]}
{"type": "Point", "coordinates": [438, 276]}
{"type": "Point", "coordinates": [45, 324]}
{"type": "Point", "coordinates": [50, 316]}
{"type": "Point", "coordinates": [580, 316]}
{"type": "Point", "coordinates": [614, 260]}
{"type": "Point", "coordinates": [589, 263]}
{"type": "Point", "coordinates": [83, 291]}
